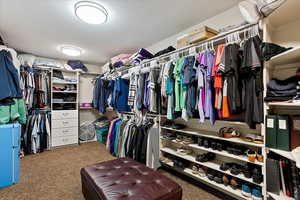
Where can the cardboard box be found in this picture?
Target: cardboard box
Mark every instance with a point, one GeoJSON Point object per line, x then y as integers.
{"type": "Point", "coordinates": [196, 36]}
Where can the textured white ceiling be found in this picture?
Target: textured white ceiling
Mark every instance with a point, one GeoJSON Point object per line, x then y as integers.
{"type": "Point", "coordinates": [41, 26]}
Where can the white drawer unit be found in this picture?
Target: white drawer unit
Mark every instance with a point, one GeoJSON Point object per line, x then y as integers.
{"type": "Point", "coordinates": [65, 114]}
{"type": "Point", "coordinates": [62, 132]}
{"type": "Point", "coordinates": [66, 140]}
{"type": "Point", "coordinates": [64, 123]}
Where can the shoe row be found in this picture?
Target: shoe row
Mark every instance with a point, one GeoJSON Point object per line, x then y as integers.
{"type": "Point", "coordinates": [230, 148]}
{"type": "Point", "coordinates": [247, 190]}
{"type": "Point", "coordinates": [247, 170]}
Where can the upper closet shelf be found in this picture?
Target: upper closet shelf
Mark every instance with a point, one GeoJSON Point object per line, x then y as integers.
{"type": "Point", "coordinates": [288, 57]}
{"type": "Point", "coordinates": [287, 13]}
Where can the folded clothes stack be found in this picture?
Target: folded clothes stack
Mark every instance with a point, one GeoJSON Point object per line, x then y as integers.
{"type": "Point", "coordinates": [282, 90]}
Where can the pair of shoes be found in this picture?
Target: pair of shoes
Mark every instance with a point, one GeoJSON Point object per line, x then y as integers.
{"type": "Point", "coordinates": [232, 181]}
{"type": "Point", "coordinates": [254, 156]}
{"type": "Point", "coordinates": [181, 164]}
{"type": "Point", "coordinates": [218, 178]}
{"type": "Point", "coordinates": [219, 146]}
{"type": "Point", "coordinates": [187, 140]}
{"type": "Point", "coordinates": [228, 132]}
{"type": "Point", "coordinates": [164, 159]}
{"type": "Point", "coordinates": [169, 136]}
{"type": "Point", "coordinates": [205, 157]}
{"type": "Point", "coordinates": [247, 170]}
{"type": "Point", "coordinates": [199, 170]}
{"type": "Point", "coordinates": [179, 138]}
{"type": "Point", "coordinates": [255, 193]}
{"type": "Point", "coordinates": [184, 151]}
{"type": "Point", "coordinates": [236, 150]}
{"type": "Point", "coordinates": [234, 168]}
{"type": "Point", "coordinates": [178, 126]}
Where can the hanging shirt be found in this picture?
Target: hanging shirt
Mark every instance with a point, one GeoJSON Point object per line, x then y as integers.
{"type": "Point", "coordinates": [178, 83]}
{"type": "Point", "coordinates": [121, 90]}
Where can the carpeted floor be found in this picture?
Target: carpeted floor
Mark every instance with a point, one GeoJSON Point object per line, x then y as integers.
{"type": "Point", "coordinates": [54, 175]}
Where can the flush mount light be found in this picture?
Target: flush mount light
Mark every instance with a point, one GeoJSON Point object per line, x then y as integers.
{"type": "Point", "coordinates": [91, 12]}
{"type": "Point", "coordinates": [71, 50]}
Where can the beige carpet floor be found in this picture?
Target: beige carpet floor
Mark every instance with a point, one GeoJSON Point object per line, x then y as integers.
{"type": "Point", "coordinates": [54, 175]}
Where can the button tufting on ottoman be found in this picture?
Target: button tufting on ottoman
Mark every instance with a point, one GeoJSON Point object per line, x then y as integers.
{"type": "Point", "coordinates": [126, 179]}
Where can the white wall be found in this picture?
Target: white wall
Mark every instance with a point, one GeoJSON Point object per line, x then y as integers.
{"type": "Point", "coordinates": [229, 17]}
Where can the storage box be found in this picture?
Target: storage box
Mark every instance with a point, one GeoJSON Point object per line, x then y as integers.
{"type": "Point", "coordinates": [196, 36]}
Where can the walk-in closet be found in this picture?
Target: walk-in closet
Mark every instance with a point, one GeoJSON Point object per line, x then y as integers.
{"type": "Point", "coordinates": [150, 100]}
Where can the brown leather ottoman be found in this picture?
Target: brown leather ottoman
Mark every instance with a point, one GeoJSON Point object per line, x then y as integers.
{"type": "Point", "coordinates": [125, 179]}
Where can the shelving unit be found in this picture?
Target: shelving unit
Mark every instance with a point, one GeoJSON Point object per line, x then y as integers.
{"type": "Point", "coordinates": [64, 122]}
{"type": "Point", "coordinates": [282, 28]}
{"type": "Point", "coordinates": [226, 189]}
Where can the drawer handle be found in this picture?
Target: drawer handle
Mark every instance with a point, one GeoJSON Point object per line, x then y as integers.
{"type": "Point", "coordinates": [66, 131]}
{"type": "Point", "coordinates": [64, 122]}
{"type": "Point", "coordinates": [65, 114]}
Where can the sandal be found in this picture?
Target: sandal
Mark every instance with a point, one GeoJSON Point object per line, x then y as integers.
{"type": "Point", "coordinates": [195, 169]}
{"type": "Point", "coordinates": [258, 139]}
{"type": "Point", "coordinates": [229, 132]}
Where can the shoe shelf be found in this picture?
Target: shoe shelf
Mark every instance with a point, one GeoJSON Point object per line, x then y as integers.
{"type": "Point", "coordinates": [286, 154]}
{"type": "Point", "coordinates": [226, 189]}
{"type": "Point", "coordinates": [212, 165]}
{"type": "Point", "coordinates": [212, 135]}
{"type": "Point", "coordinates": [222, 153]}
{"type": "Point", "coordinates": [279, 197]}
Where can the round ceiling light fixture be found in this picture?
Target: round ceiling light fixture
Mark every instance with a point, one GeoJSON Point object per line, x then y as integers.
{"type": "Point", "coordinates": [71, 50]}
{"type": "Point", "coordinates": [91, 12]}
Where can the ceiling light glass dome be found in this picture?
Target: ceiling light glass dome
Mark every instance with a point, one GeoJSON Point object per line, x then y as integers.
{"type": "Point", "coordinates": [71, 50]}
{"type": "Point", "coordinates": [91, 12]}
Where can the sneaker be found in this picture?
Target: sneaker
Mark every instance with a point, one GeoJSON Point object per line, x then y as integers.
{"type": "Point", "coordinates": [195, 169]}
{"type": "Point", "coordinates": [184, 151]}
{"type": "Point", "coordinates": [226, 180]}
{"type": "Point", "coordinates": [246, 190]}
{"type": "Point", "coordinates": [256, 194]}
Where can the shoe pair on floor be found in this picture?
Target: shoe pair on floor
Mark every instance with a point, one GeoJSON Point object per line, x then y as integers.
{"type": "Point", "coordinates": [255, 193]}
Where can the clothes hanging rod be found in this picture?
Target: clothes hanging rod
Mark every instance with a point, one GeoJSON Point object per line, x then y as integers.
{"type": "Point", "coordinates": [215, 38]}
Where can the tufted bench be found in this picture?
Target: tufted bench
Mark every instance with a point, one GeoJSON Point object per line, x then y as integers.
{"type": "Point", "coordinates": [125, 179]}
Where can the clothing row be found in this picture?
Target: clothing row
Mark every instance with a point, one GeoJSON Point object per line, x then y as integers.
{"type": "Point", "coordinates": [136, 140]}
{"type": "Point", "coordinates": [111, 94]}
{"type": "Point", "coordinates": [216, 84]}
{"type": "Point", "coordinates": [36, 90]}
{"type": "Point", "coordinates": [9, 80]}
{"type": "Point", "coordinates": [144, 90]}
{"type": "Point", "coordinates": [36, 133]}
